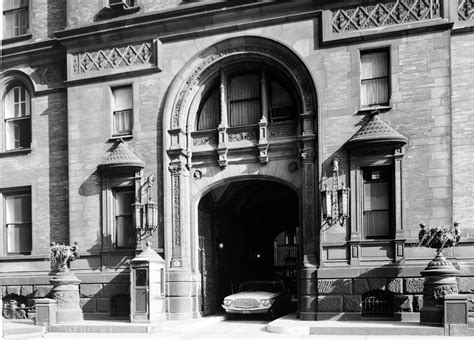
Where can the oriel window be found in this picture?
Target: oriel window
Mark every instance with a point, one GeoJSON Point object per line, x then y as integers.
{"type": "Point", "coordinates": [122, 111]}
{"type": "Point", "coordinates": [377, 214]}
{"type": "Point", "coordinates": [374, 88]}
{"type": "Point", "coordinates": [125, 236]}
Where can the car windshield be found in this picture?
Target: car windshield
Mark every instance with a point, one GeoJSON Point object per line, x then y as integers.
{"type": "Point", "coordinates": [272, 287]}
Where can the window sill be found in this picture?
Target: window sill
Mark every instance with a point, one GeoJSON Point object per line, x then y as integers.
{"type": "Point", "coordinates": [15, 152]}
{"type": "Point", "coordinates": [117, 137]}
{"type": "Point", "coordinates": [12, 40]}
{"type": "Point", "coordinates": [379, 108]}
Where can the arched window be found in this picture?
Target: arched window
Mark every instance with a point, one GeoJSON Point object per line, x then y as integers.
{"type": "Point", "coordinates": [249, 90]}
{"type": "Point", "coordinates": [17, 119]}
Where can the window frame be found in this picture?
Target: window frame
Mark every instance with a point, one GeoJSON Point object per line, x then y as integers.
{"type": "Point", "coordinates": [25, 8]}
{"type": "Point", "coordinates": [128, 133]}
{"type": "Point", "coordinates": [390, 180]}
{"type": "Point", "coordinates": [257, 68]}
{"type": "Point", "coordinates": [115, 191]}
{"type": "Point", "coordinates": [27, 117]}
{"type": "Point", "coordinates": [12, 192]}
{"type": "Point", "coordinates": [387, 52]}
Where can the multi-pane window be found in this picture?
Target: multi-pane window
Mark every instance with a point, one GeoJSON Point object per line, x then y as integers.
{"type": "Point", "coordinates": [247, 94]}
{"type": "Point", "coordinates": [124, 230]}
{"type": "Point", "coordinates": [244, 99]}
{"type": "Point", "coordinates": [374, 88]}
{"type": "Point", "coordinates": [15, 18]}
{"type": "Point", "coordinates": [18, 222]}
{"type": "Point", "coordinates": [377, 201]}
{"type": "Point", "coordinates": [17, 119]}
{"type": "Point", "coordinates": [122, 111]}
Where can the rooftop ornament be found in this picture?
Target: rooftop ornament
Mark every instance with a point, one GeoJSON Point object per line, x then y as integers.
{"type": "Point", "coordinates": [440, 275]}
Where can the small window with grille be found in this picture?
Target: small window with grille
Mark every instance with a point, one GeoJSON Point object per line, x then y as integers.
{"type": "Point", "coordinates": [377, 304]}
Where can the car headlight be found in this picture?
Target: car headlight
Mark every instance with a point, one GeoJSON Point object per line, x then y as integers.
{"type": "Point", "coordinates": [266, 302]}
{"type": "Point", "coordinates": [228, 302]}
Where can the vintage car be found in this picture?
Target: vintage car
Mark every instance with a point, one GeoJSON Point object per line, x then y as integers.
{"type": "Point", "coordinates": [253, 297]}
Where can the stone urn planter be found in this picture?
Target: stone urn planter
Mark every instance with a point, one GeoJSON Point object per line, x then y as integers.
{"type": "Point", "coordinates": [440, 275]}
{"type": "Point", "coordinates": [65, 284]}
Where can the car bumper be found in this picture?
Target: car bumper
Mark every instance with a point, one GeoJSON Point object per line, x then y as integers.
{"type": "Point", "coordinates": [256, 310]}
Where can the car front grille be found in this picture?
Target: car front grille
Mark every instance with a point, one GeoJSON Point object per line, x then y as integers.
{"type": "Point", "coordinates": [246, 303]}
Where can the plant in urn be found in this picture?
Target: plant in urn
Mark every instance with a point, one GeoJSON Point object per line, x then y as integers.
{"type": "Point", "coordinates": [440, 275]}
{"type": "Point", "coordinates": [65, 283]}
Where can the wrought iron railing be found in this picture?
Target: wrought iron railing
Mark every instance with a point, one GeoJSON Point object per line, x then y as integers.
{"type": "Point", "coordinates": [377, 304]}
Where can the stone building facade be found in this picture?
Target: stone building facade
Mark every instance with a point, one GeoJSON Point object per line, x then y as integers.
{"type": "Point", "coordinates": [237, 109]}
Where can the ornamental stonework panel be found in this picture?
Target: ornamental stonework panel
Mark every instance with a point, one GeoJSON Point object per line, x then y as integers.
{"type": "Point", "coordinates": [112, 58]}
{"type": "Point", "coordinates": [383, 14]}
{"type": "Point", "coordinates": [466, 10]}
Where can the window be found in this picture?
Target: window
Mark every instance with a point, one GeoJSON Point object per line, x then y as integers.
{"type": "Point", "coordinates": [123, 111]}
{"type": "Point", "coordinates": [124, 230]}
{"type": "Point", "coordinates": [377, 203]}
{"type": "Point", "coordinates": [250, 88]}
{"type": "Point", "coordinates": [17, 119]}
{"type": "Point", "coordinates": [18, 222]}
{"type": "Point", "coordinates": [15, 18]}
{"type": "Point", "coordinates": [122, 3]}
{"type": "Point", "coordinates": [374, 89]}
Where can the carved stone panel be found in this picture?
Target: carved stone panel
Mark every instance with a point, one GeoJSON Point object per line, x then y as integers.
{"type": "Point", "coordinates": [383, 14]}
{"type": "Point", "coordinates": [112, 58]}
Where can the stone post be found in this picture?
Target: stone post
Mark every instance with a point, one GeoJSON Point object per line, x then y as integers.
{"type": "Point", "coordinates": [66, 293]}
{"type": "Point", "coordinates": [45, 312]}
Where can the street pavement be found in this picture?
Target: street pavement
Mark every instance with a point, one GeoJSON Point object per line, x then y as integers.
{"type": "Point", "coordinates": [241, 328]}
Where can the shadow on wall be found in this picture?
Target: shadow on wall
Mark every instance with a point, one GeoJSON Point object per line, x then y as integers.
{"type": "Point", "coordinates": [376, 293]}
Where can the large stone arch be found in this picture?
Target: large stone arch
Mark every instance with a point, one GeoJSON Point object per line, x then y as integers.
{"type": "Point", "coordinates": [184, 184]}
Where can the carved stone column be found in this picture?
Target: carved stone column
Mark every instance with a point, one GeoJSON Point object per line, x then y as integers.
{"type": "Point", "coordinates": [309, 243]}
{"type": "Point", "coordinates": [175, 169]}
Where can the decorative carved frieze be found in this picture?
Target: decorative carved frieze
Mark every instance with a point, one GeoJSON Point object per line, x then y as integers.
{"type": "Point", "coordinates": [176, 212]}
{"type": "Point", "coordinates": [193, 80]}
{"type": "Point", "coordinates": [205, 140]}
{"type": "Point", "coordinates": [281, 131]}
{"type": "Point", "coordinates": [245, 135]}
{"type": "Point", "coordinates": [112, 58]}
{"type": "Point", "coordinates": [466, 9]}
{"type": "Point", "coordinates": [384, 14]}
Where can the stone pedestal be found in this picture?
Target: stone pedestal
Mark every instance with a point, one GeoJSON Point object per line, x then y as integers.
{"type": "Point", "coordinates": [440, 280]}
{"type": "Point", "coordinates": [66, 293]}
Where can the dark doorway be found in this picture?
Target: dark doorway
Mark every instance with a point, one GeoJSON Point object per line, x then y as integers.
{"type": "Point", "coordinates": [247, 231]}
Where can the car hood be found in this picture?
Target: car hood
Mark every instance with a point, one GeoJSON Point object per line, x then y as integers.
{"type": "Point", "coordinates": [253, 295]}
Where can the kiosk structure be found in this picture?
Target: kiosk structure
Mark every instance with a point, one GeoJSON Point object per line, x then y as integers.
{"type": "Point", "coordinates": [147, 287]}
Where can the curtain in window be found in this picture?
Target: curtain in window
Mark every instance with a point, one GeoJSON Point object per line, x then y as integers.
{"type": "Point", "coordinates": [124, 231]}
{"type": "Point", "coordinates": [244, 98]}
{"type": "Point", "coordinates": [123, 110]}
{"type": "Point", "coordinates": [374, 78]}
{"type": "Point", "coordinates": [281, 103]}
{"type": "Point", "coordinates": [209, 115]}
{"type": "Point", "coordinates": [17, 119]}
{"type": "Point", "coordinates": [15, 16]}
{"type": "Point", "coordinates": [18, 222]}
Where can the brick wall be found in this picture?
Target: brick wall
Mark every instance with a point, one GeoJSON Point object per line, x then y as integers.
{"type": "Point", "coordinates": [462, 77]}
{"type": "Point", "coordinates": [47, 17]}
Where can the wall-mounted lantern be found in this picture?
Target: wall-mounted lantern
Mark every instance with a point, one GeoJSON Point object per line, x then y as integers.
{"type": "Point", "coordinates": [335, 199]}
{"type": "Point", "coordinates": [146, 214]}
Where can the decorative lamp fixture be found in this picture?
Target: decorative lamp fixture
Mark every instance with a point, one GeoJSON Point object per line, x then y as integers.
{"type": "Point", "coordinates": [146, 214]}
{"type": "Point", "coordinates": [335, 199]}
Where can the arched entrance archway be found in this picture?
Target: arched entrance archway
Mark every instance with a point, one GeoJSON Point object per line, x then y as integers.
{"type": "Point", "coordinates": [266, 140]}
{"type": "Point", "coordinates": [247, 231]}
